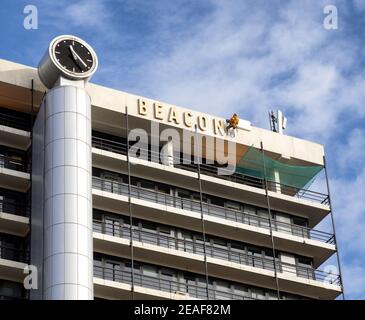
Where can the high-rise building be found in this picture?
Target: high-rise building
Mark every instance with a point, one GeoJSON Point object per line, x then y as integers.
{"type": "Point", "coordinates": [167, 220]}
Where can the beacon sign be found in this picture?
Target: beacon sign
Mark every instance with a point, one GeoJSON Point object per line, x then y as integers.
{"type": "Point", "coordinates": [187, 119]}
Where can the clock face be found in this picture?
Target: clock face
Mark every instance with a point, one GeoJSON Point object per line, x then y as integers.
{"type": "Point", "coordinates": [74, 57]}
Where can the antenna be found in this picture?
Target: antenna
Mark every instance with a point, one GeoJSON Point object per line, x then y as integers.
{"type": "Point", "coordinates": [278, 122]}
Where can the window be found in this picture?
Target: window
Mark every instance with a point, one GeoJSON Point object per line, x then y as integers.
{"type": "Point", "coordinates": [300, 227]}
{"type": "Point", "coordinates": [300, 221]}
{"type": "Point", "coordinates": [147, 185]}
{"type": "Point", "coordinates": [166, 237]}
{"type": "Point", "coordinates": [10, 290]}
{"type": "Point", "coordinates": [255, 257]}
{"type": "Point", "coordinates": [220, 249]}
{"type": "Point", "coordinates": [12, 248]}
{"type": "Point", "coordinates": [257, 293]}
{"type": "Point", "coordinates": [222, 290]}
{"type": "Point", "coordinates": [217, 201]}
{"type": "Point", "coordinates": [304, 268]}
{"type": "Point", "coordinates": [240, 290]}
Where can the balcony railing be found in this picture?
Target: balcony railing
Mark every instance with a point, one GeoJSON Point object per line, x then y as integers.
{"type": "Point", "coordinates": [191, 246]}
{"type": "Point", "coordinates": [14, 122]}
{"type": "Point", "coordinates": [10, 253]}
{"type": "Point", "coordinates": [166, 284]}
{"type": "Point", "coordinates": [13, 163]}
{"type": "Point", "coordinates": [211, 170]}
{"type": "Point", "coordinates": [14, 207]}
{"type": "Point", "coordinates": [210, 209]}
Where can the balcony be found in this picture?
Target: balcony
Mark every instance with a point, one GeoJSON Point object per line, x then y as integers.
{"type": "Point", "coordinates": [14, 254]}
{"type": "Point", "coordinates": [222, 221]}
{"type": "Point", "coordinates": [14, 131]}
{"type": "Point", "coordinates": [14, 173]}
{"type": "Point", "coordinates": [14, 217]}
{"type": "Point", "coordinates": [148, 287]}
{"type": "Point", "coordinates": [15, 207]}
{"type": "Point", "coordinates": [189, 254]}
{"type": "Point", "coordinates": [12, 263]}
{"type": "Point", "coordinates": [314, 205]}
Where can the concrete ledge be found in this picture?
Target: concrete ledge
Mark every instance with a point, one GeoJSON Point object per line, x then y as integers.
{"type": "Point", "coordinates": [121, 291]}
{"type": "Point", "coordinates": [15, 138]}
{"type": "Point", "coordinates": [12, 270]}
{"type": "Point", "coordinates": [15, 180]}
{"type": "Point", "coordinates": [14, 224]}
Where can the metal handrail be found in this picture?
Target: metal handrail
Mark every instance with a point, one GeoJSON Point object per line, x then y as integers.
{"type": "Point", "coordinates": [14, 207]}
{"type": "Point", "coordinates": [211, 209]}
{"type": "Point", "coordinates": [165, 284]}
{"type": "Point", "coordinates": [121, 148]}
{"type": "Point", "coordinates": [187, 245]}
{"type": "Point", "coordinates": [13, 164]}
{"type": "Point", "coordinates": [14, 254]}
{"type": "Point", "coordinates": [14, 122]}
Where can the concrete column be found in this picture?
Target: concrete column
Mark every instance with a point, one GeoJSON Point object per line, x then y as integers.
{"type": "Point", "coordinates": [68, 242]}
{"type": "Point", "coordinates": [167, 153]}
{"type": "Point", "coordinates": [277, 186]}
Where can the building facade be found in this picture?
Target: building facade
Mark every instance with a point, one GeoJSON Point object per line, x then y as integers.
{"type": "Point", "coordinates": [99, 222]}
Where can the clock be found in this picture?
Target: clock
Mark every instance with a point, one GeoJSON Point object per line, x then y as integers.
{"type": "Point", "coordinates": [69, 57]}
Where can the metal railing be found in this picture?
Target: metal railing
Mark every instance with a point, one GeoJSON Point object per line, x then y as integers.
{"type": "Point", "coordinates": [210, 209]}
{"type": "Point", "coordinates": [166, 284]}
{"type": "Point", "coordinates": [14, 254]}
{"type": "Point", "coordinates": [211, 170]}
{"type": "Point", "coordinates": [13, 163]}
{"type": "Point", "coordinates": [191, 246]}
{"type": "Point", "coordinates": [14, 207]}
{"type": "Point", "coordinates": [14, 122]}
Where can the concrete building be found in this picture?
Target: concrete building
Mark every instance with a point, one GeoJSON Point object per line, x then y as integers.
{"type": "Point", "coordinates": [99, 222]}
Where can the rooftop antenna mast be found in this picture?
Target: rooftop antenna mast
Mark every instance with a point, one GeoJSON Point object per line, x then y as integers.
{"type": "Point", "coordinates": [277, 121]}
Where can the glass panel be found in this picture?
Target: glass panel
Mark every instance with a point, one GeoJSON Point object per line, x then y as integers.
{"type": "Point", "coordinates": [186, 243]}
{"type": "Point", "coordinates": [183, 201]}
{"type": "Point", "coordinates": [112, 226]}
{"type": "Point", "coordinates": [258, 294]}
{"type": "Point", "coordinates": [264, 222]}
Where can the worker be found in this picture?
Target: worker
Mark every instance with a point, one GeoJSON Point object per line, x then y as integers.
{"type": "Point", "coordinates": [233, 122]}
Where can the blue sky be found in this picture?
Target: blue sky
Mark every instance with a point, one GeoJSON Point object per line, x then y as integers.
{"type": "Point", "coordinates": [231, 56]}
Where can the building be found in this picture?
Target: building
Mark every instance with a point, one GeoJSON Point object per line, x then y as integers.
{"type": "Point", "coordinates": [196, 233]}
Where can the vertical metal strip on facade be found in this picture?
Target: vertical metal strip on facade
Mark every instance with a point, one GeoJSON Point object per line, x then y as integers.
{"type": "Point", "coordinates": [202, 213]}
{"type": "Point", "coordinates": [270, 221]}
{"type": "Point", "coordinates": [333, 226]}
{"type": "Point", "coordinates": [129, 203]}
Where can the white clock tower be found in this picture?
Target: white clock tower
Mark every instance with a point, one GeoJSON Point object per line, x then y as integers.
{"type": "Point", "coordinates": [62, 174]}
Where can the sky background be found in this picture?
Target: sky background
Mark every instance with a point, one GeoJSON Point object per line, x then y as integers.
{"type": "Point", "coordinates": [231, 56]}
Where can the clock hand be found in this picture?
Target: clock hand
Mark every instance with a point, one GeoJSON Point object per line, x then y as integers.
{"type": "Point", "coordinates": [77, 57]}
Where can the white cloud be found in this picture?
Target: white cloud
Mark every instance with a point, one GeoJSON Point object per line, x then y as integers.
{"type": "Point", "coordinates": [87, 13]}
{"type": "Point", "coordinates": [359, 5]}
